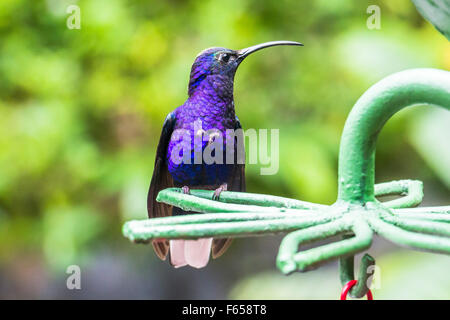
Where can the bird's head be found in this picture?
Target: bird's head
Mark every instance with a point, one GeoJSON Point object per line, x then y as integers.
{"type": "Point", "coordinates": [224, 62]}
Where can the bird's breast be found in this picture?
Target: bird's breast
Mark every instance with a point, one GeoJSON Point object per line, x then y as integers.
{"type": "Point", "coordinates": [197, 151]}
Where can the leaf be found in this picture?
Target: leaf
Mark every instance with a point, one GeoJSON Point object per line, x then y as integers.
{"type": "Point", "coordinates": [437, 12]}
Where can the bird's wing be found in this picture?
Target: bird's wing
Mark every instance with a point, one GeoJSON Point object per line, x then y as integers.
{"type": "Point", "coordinates": [161, 179]}
{"type": "Point", "coordinates": [238, 177]}
{"type": "Point", "coordinates": [237, 183]}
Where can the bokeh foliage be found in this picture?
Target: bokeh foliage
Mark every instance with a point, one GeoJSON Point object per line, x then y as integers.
{"type": "Point", "coordinates": [81, 110]}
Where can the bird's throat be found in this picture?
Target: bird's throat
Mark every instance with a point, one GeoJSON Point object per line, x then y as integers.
{"type": "Point", "coordinates": [212, 88]}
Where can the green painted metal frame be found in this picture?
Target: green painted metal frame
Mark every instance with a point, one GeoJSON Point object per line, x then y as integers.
{"type": "Point", "coordinates": [356, 215]}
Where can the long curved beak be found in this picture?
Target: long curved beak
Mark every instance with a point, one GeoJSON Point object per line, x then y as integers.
{"type": "Point", "coordinates": [243, 53]}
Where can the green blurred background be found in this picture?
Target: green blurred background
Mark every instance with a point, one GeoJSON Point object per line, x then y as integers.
{"type": "Point", "coordinates": [81, 113]}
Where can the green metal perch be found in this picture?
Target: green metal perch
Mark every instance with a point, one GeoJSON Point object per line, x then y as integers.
{"type": "Point", "coordinates": [356, 215]}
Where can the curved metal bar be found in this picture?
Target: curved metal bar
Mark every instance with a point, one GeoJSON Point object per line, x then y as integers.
{"type": "Point", "coordinates": [356, 211]}
{"type": "Point", "coordinates": [368, 116]}
{"type": "Point", "coordinates": [290, 243]}
{"type": "Point", "coordinates": [192, 203]}
{"type": "Point", "coordinates": [289, 260]}
{"type": "Point", "coordinates": [256, 199]}
{"type": "Point", "coordinates": [407, 238]}
{"type": "Point", "coordinates": [413, 189]}
{"type": "Point", "coordinates": [222, 217]}
{"type": "Point", "coordinates": [439, 217]}
{"type": "Point", "coordinates": [439, 214]}
{"type": "Point", "coordinates": [416, 225]}
{"type": "Point", "coordinates": [424, 210]}
{"type": "Point", "coordinates": [346, 271]}
{"type": "Point", "coordinates": [136, 231]}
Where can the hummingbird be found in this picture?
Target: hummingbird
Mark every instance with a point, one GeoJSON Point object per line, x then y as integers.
{"type": "Point", "coordinates": [210, 101]}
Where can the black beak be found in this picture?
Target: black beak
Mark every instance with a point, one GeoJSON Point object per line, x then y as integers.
{"type": "Point", "coordinates": [243, 53]}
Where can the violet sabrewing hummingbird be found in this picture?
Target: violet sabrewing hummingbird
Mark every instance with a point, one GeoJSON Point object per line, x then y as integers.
{"type": "Point", "coordinates": [211, 104]}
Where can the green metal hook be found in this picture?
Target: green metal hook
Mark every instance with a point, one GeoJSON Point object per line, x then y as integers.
{"type": "Point", "coordinates": [346, 270]}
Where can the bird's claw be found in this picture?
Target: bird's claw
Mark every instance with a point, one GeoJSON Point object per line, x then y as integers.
{"type": "Point", "coordinates": [185, 190]}
{"type": "Point", "coordinates": [218, 191]}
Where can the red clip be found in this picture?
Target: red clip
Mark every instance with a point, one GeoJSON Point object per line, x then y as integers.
{"type": "Point", "coordinates": [347, 288]}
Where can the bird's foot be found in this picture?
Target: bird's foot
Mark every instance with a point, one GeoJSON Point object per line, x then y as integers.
{"type": "Point", "coordinates": [218, 191]}
{"type": "Point", "coordinates": [185, 190]}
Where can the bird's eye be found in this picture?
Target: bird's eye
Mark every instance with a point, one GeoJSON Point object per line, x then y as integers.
{"type": "Point", "coordinates": [224, 57]}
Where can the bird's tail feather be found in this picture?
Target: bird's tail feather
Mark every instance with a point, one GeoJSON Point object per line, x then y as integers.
{"type": "Point", "coordinates": [190, 252]}
{"type": "Point", "coordinates": [177, 253]}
